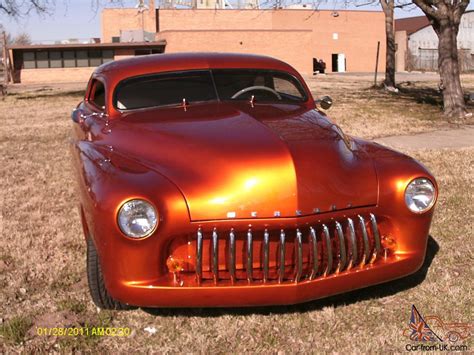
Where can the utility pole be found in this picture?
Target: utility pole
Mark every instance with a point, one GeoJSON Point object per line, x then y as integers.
{"type": "Point", "coordinates": [376, 64]}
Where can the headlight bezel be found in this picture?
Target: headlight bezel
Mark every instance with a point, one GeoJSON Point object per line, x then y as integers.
{"type": "Point", "coordinates": [432, 202]}
{"type": "Point", "coordinates": [149, 232]}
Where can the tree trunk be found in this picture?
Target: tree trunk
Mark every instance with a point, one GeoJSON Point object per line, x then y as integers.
{"type": "Point", "coordinates": [388, 6]}
{"type": "Point", "coordinates": [448, 64]}
{"type": "Point", "coordinates": [445, 17]}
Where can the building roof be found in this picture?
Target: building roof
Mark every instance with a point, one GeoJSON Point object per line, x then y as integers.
{"type": "Point", "coordinates": [123, 45]}
{"type": "Point", "coordinates": [411, 24]}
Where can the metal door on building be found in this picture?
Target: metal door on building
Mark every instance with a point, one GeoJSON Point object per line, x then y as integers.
{"type": "Point", "coordinates": [339, 63]}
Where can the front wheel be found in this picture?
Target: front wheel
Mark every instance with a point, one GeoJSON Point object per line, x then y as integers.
{"type": "Point", "coordinates": [95, 279]}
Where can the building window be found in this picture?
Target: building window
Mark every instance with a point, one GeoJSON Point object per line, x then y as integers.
{"type": "Point", "coordinates": [42, 60]}
{"type": "Point", "coordinates": [148, 51]}
{"type": "Point", "coordinates": [29, 61]}
{"type": "Point", "coordinates": [107, 56]}
{"type": "Point", "coordinates": [69, 59]}
{"type": "Point", "coordinates": [66, 59]}
{"type": "Point", "coordinates": [55, 60]}
{"type": "Point", "coordinates": [82, 59]}
{"type": "Point", "coordinates": [95, 58]}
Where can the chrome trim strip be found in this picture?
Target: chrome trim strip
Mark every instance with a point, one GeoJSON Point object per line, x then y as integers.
{"type": "Point", "coordinates": [375, 231]}
{"type": "Point", "coordinates": [281, 271]}
{"type": "Point", "coordinates": [215, 256]}
{"type": "Point", "coordinates": [266, 254]}
{"type": "Point", "coordinates": [327, 239]}
{"type": "Point", "coordinates": [314, 253]}
{"type": "Point", "coordinates": [299, 255]}
{"type": "Point", "coordinates": [353, 240]}
{"type": "Point", "coordinates": [365, 239]}
{"type": "Point", "coordinates": [199, 257]}
{"type": "Point", "coordinates": [232, 255]}
{"type": "Point", "coordinates": [342, 248]}
{"type": "Point", "coordinates": [249, 255]}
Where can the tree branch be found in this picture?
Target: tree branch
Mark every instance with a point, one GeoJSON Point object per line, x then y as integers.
{"type": "Point", "coordinates": [427, 8]}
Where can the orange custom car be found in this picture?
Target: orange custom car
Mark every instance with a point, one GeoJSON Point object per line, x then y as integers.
{"type": "Point", "coordinates": [210, 180]}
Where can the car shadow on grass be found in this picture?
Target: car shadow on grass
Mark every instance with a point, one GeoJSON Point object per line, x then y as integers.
{"type": "Point", "coordinates": [377, 291]}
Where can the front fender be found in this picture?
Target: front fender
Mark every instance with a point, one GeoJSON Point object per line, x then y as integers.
{"type": "Point", "coordinates": [395, 171]}
{"type": "Point", "coordinates": [106, 180]}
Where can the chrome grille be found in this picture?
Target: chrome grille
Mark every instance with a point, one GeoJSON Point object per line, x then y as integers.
{"type": "Point", "coordinates": [288, 255]}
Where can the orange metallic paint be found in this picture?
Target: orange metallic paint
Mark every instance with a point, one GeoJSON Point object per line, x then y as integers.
{"type": "Point", "coordinates": [197, 165]}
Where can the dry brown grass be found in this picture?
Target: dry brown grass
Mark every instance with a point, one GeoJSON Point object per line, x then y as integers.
{"type": "Point", "coordinates": [42, 263]}
{"type": "Point", "coordinates": [366, 112]}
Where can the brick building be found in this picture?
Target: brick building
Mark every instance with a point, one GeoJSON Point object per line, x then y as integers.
{"type": "Point", "coordinates": [345, 40]}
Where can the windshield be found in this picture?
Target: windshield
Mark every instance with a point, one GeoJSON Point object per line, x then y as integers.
{"type": "Point", "coordinates": [174, 88]}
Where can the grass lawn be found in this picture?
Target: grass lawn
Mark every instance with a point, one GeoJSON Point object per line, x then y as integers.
{"type": "Point", "coordinates": [42, 250]}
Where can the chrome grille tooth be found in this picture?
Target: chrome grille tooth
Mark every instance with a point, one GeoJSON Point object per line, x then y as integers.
{"type": "Point", "coordinates": [249, 256]}
{"type": "Point", "coordinates": [314, 251]}
{"type": "Point", "coordinates": [199, 257]}
{"type": "Point", "coordinates": [375, 232]}
{"type": "Point", "coordinates": [232, 255]}
{"type": "Point", "coordinates": [327, 240]}
{"type": "Point", "coordinates": [215, 256]}
{"type": "Point", "coordinates": [320, 258]}
{"type": "Point", "coordinates": [281, 271]}
{"type": "Point", "coordinates": [299, 255]}
{"type": "Point", "coordinates": [342, 248]}
{"type": "Point", "coordinates": [365, 240]}
{"type": "Point", "coordinates": [353, 240]}
{"type": "Point", "coordinates": [266, 254]}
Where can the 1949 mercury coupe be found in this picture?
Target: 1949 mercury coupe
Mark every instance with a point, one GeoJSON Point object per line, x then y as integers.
{"type": "Point", "coordinates": [212, 180]}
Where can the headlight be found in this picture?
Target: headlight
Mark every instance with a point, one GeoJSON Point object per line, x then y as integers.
{"type": "Point", "coordinates": [137, 218]}
{"type": "Point", "coordinates": [420, 195]}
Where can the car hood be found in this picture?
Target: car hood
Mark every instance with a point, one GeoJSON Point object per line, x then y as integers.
{"type": "Point", "coordinates": [235, 160]}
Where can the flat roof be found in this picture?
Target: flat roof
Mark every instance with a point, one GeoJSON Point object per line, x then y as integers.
{"type": "Point", "coordinates": [125, 45]}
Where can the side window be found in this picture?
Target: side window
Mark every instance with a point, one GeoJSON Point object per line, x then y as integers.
{"type": "Point", "coordinates": [285, 87]}
{"type": "Point", "coordinates": [97, 95]}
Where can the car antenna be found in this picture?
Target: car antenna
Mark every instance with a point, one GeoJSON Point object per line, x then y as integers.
{"type": "Point", "coordinates": [252, 100]}
{"type": "Point", "coordinates": [185, 105]}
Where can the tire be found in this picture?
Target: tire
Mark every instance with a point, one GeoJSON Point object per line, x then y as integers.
{"type": "Point", "coordinates": [95, 279]}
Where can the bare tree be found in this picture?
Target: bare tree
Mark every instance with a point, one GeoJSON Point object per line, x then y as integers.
{"type": "Point", "coordinates": [19, 8]}
{"type": "Point", "coordinates": [8, 38]}
{"type": "Point", "coordinates": [445, 17]}
{"type": "Point", "coordinates": [22, 39]}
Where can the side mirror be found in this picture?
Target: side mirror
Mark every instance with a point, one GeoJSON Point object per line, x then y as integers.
{"type": "Point", "coordinates": [77, 115]}
{"type": "Point", "coordinates": [325, 102]}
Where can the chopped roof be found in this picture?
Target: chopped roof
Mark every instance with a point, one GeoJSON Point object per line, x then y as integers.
{"type": "Point", "coordinates": [121, 69]}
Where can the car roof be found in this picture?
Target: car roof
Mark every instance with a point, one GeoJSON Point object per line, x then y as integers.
{"type": "Point", "coordinates": [118, 70]}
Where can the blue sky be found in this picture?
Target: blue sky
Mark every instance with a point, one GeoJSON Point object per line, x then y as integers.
{"type": "Point", "coordinates": [78, 19]}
